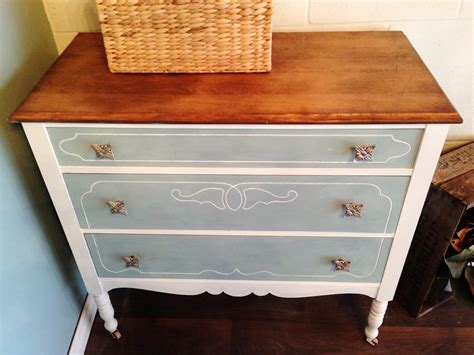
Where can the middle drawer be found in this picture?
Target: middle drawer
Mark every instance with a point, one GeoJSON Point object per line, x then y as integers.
{"type": "Point", "coordinates": [223, 202]}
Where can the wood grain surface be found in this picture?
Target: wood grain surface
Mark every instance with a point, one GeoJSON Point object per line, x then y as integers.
{"type": "Point", "coordinates": [455, 174]}
{"type": "Point", "coordinates": [461, 188]}
{"type": "Point", "coordinates": [454, 163]}
{"type": "Point", "coordinates": [338, 77]}
{"type": "Point", "coordinates": [155, 323]}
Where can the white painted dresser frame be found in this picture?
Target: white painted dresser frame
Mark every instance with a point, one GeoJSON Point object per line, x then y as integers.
{"type": "Point", "coordinates": [383, 292]}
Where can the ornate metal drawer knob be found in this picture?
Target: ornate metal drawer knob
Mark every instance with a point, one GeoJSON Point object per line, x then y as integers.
{"type": "Point", "coordinates": [364, 152]}
{"type": "Point", "coordinates": [117, 207]}
{"type": "Point", "coordinates": [131, 261]}
{"type": "Point", "coordinates": [353, 209]}
{"type": "Point", "coordinates": [342, 264]}
{"type": "Point", "coordinates": [103, 151]}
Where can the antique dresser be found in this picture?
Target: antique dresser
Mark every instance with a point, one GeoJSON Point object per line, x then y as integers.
{"type": "Point", "coordinates": [305, 181]}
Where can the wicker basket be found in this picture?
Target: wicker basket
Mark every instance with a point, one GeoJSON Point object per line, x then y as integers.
{"type": "Point", "coordinates": [190, 36]}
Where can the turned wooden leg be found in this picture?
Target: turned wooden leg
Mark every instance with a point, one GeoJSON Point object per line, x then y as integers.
{"type": "Point", "coordinates": [374, 321]}
{"type": "Point", "coordinates": [106, 312]}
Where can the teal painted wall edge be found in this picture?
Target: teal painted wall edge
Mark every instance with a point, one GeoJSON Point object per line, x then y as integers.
{"type": "Point", "coordinates": [41, 293]}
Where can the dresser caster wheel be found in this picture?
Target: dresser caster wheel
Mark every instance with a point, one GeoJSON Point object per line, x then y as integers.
{"type": "Point", "coordinates": [116, 335]}
{"type": "Point", "coordinates": [372, 342]}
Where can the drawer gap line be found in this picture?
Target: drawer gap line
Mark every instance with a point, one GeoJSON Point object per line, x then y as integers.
{"type": "Point", "coordinates": [230, 233]}
{"type": "Point", "coordinates": [234, 171]}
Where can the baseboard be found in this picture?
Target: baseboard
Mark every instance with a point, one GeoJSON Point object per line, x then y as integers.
{"type": "Point", "coordinates": [83, 328]}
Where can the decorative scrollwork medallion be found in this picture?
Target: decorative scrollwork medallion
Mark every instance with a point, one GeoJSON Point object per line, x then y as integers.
{"type": "Point", "coordinates": [364, 152]}
{"type": "Point", "coordinates": [342, 264]}
{"type": "Point", "coordinates": [103, 151]}
{"type": "Point", "coordinates": [234, 197]}
{"type": "Point", "coordinates": [353, 209]}
{"type": "Point", "coordinates": [131, 261]}
{"type": "Point", "coordinates": [117, 207]}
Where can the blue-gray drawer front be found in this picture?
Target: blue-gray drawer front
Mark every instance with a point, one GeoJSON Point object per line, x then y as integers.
{"type": "Point", "coordinates": [246, 147]}
{"type": "Point", "coordinates": [221, 202]}
{"type": "Point", "coordinates": [249, 258]}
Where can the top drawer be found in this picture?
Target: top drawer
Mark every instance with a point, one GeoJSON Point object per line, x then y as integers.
{"type": "Point", "coordinates": [236, 147]}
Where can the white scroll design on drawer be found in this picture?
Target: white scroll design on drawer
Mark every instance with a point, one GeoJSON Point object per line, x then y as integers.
{"type": "Point", "coordinates": [237, 271]}
{"type": "Point", "coordinates": [219, 193]}
{"type": "Point", "coordinates": [66, 146]}
{"type": "Point", "coordinates": [216, 196]}
{"type": "Point", "coordinates": [233, 197]}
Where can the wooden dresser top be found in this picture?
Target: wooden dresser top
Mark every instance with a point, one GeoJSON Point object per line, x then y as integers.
{"type": "Point", "coordinates": [320, 77]}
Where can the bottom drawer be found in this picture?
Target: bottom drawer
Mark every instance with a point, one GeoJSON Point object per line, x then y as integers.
{"type": "Point", "coordinates": [239, 257]}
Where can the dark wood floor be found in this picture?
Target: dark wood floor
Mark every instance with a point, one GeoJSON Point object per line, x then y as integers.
{"type": "Point", "coordinates": [154, 323]}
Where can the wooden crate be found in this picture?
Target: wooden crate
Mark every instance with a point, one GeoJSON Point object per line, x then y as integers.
{"type": "Point", "coordinates": [450, 196]}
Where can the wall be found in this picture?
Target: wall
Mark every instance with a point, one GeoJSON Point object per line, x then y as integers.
{"type": "Point", "coordinates": [41, 294]}
{"type": "Point", "coordinates": [440, 30]}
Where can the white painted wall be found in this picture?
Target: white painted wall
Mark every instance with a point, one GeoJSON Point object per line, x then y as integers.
{"type": "Point", "coordinates": [440, 30]}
